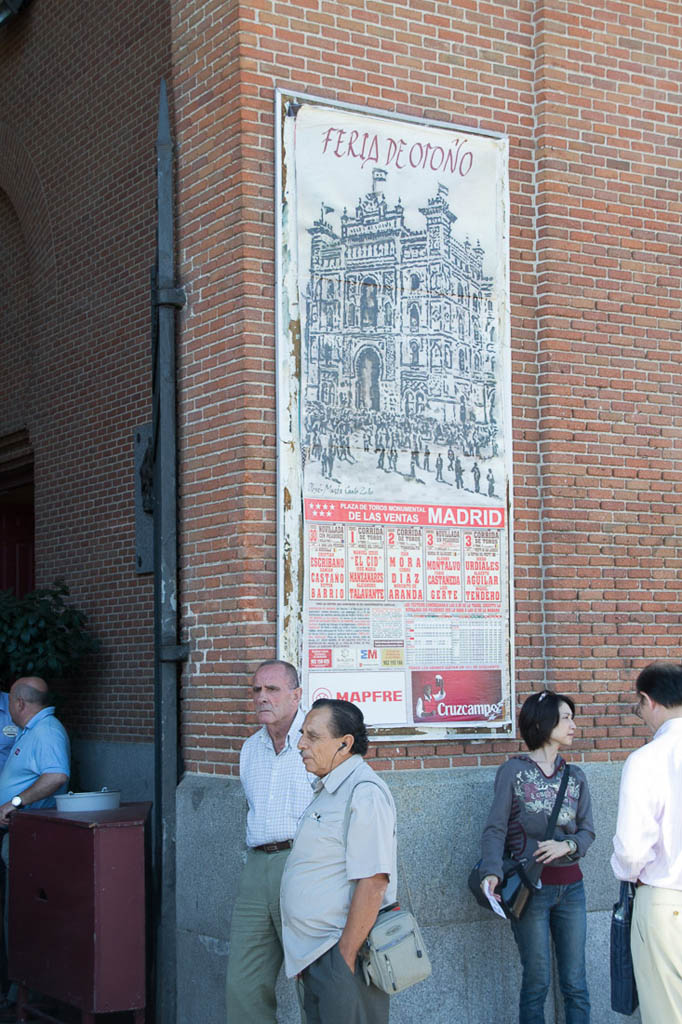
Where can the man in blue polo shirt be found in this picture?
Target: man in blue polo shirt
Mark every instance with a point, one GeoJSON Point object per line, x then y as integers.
{"type": "Point", "coordinates": [36, 770]}
{"type": "Point", "coordinates": [38, 765]}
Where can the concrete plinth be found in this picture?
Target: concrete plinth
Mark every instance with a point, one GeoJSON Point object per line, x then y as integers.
{"type": "Point", "coordinates": [476, 972]}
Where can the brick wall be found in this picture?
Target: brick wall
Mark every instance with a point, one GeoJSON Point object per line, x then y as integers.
{"type": "Point", "coordinates": [14, 297]}
{"type": "Point", "coordinates": [78, 99]}
{"type": "Point", "coordinates": [608, 326]}
{"type": "Point", "coordinates": [588, 94]}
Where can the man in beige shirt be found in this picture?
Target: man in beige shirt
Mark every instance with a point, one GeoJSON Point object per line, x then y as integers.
{"type": "Point", "coordinates": [341, 870]}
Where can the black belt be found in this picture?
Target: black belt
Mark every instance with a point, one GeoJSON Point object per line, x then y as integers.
{"type": "Point", "coordinates": [286, 844]}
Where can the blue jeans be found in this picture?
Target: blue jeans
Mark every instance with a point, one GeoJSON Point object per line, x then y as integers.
{"type": "Point", "coordinates": [558, 910]}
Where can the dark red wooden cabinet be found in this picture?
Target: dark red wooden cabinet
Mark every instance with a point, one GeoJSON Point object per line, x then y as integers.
{"type": "Point", "coordinates": [77, 907]}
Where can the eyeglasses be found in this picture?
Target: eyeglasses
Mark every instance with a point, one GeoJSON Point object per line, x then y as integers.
{"type": "Point", "coordinates": [637, 708]}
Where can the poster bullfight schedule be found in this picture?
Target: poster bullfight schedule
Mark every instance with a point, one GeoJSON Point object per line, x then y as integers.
{"type": "Point", "coordinates": [394, 417]}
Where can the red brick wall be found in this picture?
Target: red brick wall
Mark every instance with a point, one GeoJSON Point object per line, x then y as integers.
{"type": "Point", "coordinates": [78, 105]}
{"type": "Point", "coordinates": [14, 298]}
{"type": "Point", "coordinates": [588, 94]}
{"type": "Point", "coordinates": [608, 327]}
{"type": "Point", "coordinates": [589, 98]}
{"type": "Point", "coordinates": [226, 393]}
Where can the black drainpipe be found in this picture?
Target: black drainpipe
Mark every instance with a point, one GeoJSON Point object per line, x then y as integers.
{"type": "Point", "coordinates": [167, 299]}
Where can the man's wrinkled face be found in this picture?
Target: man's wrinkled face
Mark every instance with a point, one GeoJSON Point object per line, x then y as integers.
{"type": "Point", "coordinates": [274, 701]}
{"type": "Point", "coordinates": [20, 711]}
{"type": "Point", "coordinates": [16, 706]}
{"type": "Point", "coordinates": [319, 749]}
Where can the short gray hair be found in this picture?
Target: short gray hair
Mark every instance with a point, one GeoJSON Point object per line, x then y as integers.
{"type": "Point", "coordinates": [288, 668]}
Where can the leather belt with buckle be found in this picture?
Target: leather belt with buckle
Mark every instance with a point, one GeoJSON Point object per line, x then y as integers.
{"type": "Point", "coordinates": [286, 844]}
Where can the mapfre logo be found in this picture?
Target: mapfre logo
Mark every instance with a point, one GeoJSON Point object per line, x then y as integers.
{"type": "Point", "coordinates": [372, 696]}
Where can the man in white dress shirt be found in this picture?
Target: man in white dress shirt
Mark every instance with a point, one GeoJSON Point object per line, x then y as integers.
{"type": "Point", "coordinates": [278, 790]}
{"type": "Point", "coordinates": [648, 844]}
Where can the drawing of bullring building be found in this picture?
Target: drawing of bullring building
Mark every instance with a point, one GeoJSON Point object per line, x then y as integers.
{"type": "Point", "coordinates": [400, 321]}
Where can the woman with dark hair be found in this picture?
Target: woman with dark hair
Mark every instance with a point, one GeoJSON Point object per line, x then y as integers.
{"type": "Point", "coordinates": [526, 788]}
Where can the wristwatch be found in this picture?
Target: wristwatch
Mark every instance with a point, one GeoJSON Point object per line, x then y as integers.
{"type": "Point", "coordinates": [572, 847]}
{"type": "Point", "coordinates": [17, 802]}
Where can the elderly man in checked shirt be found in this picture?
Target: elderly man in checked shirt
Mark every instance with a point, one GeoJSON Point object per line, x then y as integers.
{"type": "Point", "coordinates": [278, 790]}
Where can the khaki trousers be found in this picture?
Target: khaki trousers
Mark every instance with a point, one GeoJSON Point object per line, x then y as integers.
{"type": "Point", "coordinates": [255, 952]}
{"type": "Point", "coordinates": [656, 944]}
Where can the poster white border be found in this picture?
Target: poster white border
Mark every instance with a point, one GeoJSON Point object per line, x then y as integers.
{"type": "Point", "coordinates": [290, 520]}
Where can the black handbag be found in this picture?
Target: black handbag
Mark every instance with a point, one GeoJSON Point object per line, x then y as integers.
{"type": "Point", "coordinates": [515, 888]}
{"type": "Point", "coordinates": [624, 998]}
{"type": "Point", "coordinates": [519, 879]}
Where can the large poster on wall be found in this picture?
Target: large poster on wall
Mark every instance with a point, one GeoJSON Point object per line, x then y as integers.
{"type": "Point", "coordinates": [393, 399]}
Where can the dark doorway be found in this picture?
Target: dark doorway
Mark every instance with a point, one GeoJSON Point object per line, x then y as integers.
{"type": "Point", "coordinates": [367, 380]}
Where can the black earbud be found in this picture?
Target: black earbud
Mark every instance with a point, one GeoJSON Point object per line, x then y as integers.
{"type": "Point", "coordinates": [341, 747]}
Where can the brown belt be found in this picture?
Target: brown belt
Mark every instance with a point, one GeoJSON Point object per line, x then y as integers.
{"type": "Point", "coordinates": [286, 844]}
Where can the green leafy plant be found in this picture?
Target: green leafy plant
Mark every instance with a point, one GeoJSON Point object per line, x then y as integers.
{"type": "Point", "coordinates": [41, 635]}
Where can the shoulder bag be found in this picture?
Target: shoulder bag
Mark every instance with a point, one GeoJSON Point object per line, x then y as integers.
{"type": "Point", "coordinates": [393, 956]}
{"type": "Point", "coordinates": [519, 879]}
{"type": "Point", "coordinates": [624, 998]}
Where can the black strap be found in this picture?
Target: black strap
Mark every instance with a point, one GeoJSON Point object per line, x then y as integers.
{"type": "Point", "coordinates": [551, 824]}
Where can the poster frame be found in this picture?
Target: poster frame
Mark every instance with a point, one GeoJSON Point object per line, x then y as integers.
{"type": "Point", "coordinates": [290, 518]}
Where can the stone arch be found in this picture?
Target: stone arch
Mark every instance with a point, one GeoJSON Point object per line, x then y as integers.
{"type": "Point", "coordinates": [388, 314]}
{"type": "Point", "coordinates": [367, 377]}
{"type": "Point", "coordinates": [414, 317]}
{"type": "Point", "coordinates": [369, 303]}
{"type": "Point", "coordinates": [414, 400]}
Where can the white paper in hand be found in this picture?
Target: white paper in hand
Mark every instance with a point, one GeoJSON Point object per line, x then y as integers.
{"type": "Point", "coordinates": [493, 902]}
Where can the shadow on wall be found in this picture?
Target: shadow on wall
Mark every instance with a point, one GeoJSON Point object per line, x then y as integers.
{"type": "Point", "coordinates": [128, 767]}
